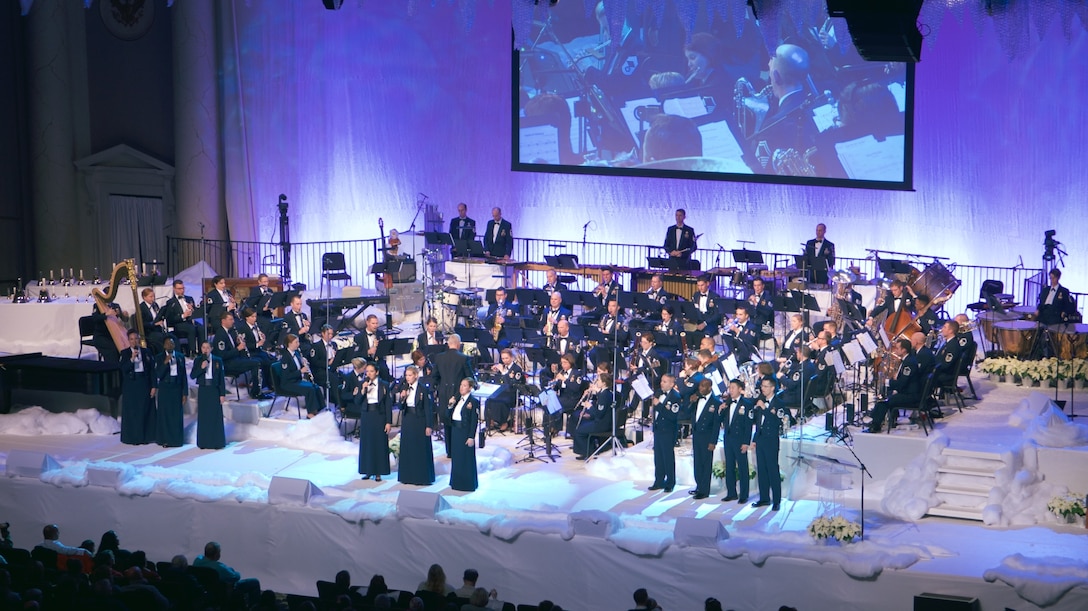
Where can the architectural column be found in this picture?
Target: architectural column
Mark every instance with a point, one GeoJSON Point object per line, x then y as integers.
{"type": "Point", "coordinates": [198, 165]}
{"type": "Point", "coordinates": [53, 144]}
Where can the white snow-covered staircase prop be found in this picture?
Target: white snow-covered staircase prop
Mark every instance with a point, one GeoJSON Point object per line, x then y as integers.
{"type": "Point", "coordinates": [965, 481]}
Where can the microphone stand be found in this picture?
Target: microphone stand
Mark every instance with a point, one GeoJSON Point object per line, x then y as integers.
{"type": "Point", "coordinates": [613, 440]}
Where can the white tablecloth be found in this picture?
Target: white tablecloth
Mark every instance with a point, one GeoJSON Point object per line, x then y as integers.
{"type": "Point", "coordinates": [480, 274]}
{"type": "Point", "coordinates": [53, 328]}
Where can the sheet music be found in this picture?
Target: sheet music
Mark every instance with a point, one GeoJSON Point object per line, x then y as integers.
{"type": "Point", "coordinates": [539, 144]}
{"type": "Point", "coordinates": [690, 107]}
{"type": "Point", "coordinates": [628, 112]}
{"type": "Point", "coordinates": [866, 158]}
{"type": "Point", "coordinates": [884, 337]}
{"type": "Point", "coordinates": [716, 379]}
{"type": "Point", "coordinates": [824, 116]}
{"type": "Point", "coordinates": [835, 358]}
{"type": "Point", "coordinates": [731, 368]}
{"type": "Point", "coordinates": [642, 387]}
{"type": "Point", "coordinates": [853, 352]}
{"type": "Point", "coordinates": [866, 342]}
{"type": "Point", "coordinates": [719, 142]}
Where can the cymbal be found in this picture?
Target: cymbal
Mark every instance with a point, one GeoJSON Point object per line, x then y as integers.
{"type": "Point", "coordinates": [445, 277]}
{"type": "Point", "coordinates": [845, 276]}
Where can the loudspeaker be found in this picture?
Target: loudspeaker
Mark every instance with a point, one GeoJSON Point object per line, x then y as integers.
{"type": "Point", "coordinates": [882, 31]}
{"type": "Point", "coordinates": [592, 523]}
{"type": "Point", "coordinates": [850, 410]}
{"type": "Point", "coordinates": [291, 491]}
{"type": "Point", "coordinates": [944, 602]}
{"type": "Point", "coordinates": [699, 532]}
{"type": "Point", "coordinates": [829, 421]}
{"type": "Point", "coordinates": [419, 504]}
{"type": "Point", "coordinates": [333, 5]}
{"type": "Point", "coordinates": [104, 476]}
{"type": "Point", "coordinates": [25, 463]}
{"type": "Point", "coordinates": [864, 403]}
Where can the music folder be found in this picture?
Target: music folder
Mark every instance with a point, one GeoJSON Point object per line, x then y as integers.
{"type": "Point", "coordinates": [388, 347]}
{"type": "Point", "coordinates": [657, 262]}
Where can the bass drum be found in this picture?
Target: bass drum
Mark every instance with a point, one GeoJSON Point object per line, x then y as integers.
{"type": "Point", "coordinates": [446, 315]}
{"type": "Point", "coordinates": [935, 280]}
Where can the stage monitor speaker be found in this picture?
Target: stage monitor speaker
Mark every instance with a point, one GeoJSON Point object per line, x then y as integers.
{"type": "Point", "coordinates": [850, 411]}
{"type": "Point", "coordinates": [25, 463]}
{"type": "Point", "coordinates": [419, 504]}
{"type": "Point", "coordinates": [107, 477]}
{"type": "Point", "coordinates": [882, 31]}
{"type": "Point", "coordinates": [699, 532]}
{"type": "Point", "coordinates": [593, 523]}
{"type": "Point", "coordinates": [333, 5]}
{"type": "Point", "coordinates": [945, 602]}
{"type": "Point", "coordinates": [291, 491]}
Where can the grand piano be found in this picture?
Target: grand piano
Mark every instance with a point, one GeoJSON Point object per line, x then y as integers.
{"type": "Point", "coordinates": [60, 383]}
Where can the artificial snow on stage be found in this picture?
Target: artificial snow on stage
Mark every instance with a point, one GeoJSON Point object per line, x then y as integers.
{"type": "Point", "coordinates": [588, 534]}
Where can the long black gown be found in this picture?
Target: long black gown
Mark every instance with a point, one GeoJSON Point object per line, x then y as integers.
{"type": "Point", "coordinates": [173, 387]}
{"type": "Point", "coordinates": [416, 462]}
{"type": "Point", "coordinates": [462, 456]}
{"type": "Point", "coordinates": [373, 440]}
{"type": "Point", "coordinates": [210, 433]}
{"type": "Point", "coordinates": [137, 404]}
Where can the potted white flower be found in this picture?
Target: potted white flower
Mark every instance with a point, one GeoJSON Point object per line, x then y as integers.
{"type": "Point", "coordinates": [835, 528]}
{"type": "Point", "coordinates": [1067, 506]}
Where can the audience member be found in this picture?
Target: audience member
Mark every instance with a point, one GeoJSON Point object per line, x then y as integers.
{"type": "Point", "coordinates": [641, 597]}
{"type": "Point", "coordinates": [478, 600]}
{"type": "Point", "coordinates": [51, 533]}
{"type": "Point", "coordinates": [416, 604]}
{"type": "Point", "coordinates": [712, 604]}
{"type": "Point", "coordinates": [88, 544]}
{"type": "Point", "coordinates": [435, 582]}
{"type": "Point", "coordinates": [376, 588]}
{"type": "Point", "coordinates": [211, 559]}
{"type": "Point", "coordinates": [5, 536]}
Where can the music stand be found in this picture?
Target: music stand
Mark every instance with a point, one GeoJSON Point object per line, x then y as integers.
{"type": "Point", "coordinates": [471, 249]}
{"type": "Point", "coordinates": [891, 267]}
{"type": "Point", "coordinates": [748, 257]}
{"type": "Point", "coordinates": [438, 238]}
{"type": "Point", "coordinates": [657, 262]}
{"type": "Point", "coordinates": [430, 351]}
{"type": "Point", "coordinates": [534, 298]}
{"type": "Point", "coordinates": [563, 261]}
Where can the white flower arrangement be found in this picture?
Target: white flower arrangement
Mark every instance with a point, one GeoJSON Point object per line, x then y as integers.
{"type": "Point", "coordinates": [837, 528]}
{"type": "Point", "coordinates": [1043, 369]}
{"type": "Point", "coordinates": [1068, 505]}
{"type": "Point", "coordinates": [394, 446]}
{"type": "Point", "coordinates": [718, 470]}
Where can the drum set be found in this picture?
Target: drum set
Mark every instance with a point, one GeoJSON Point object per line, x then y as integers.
{"type": "Point", "coordinates": [449, 305]}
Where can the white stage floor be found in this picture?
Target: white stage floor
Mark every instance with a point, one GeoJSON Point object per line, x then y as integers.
{"type": "Point", "coordinates": [515, 528]}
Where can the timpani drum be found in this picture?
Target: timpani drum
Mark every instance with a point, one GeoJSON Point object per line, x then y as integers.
{"type": "Point", "coordinates": [1025, 312]}
{"type": "Point", "coordinates": [1070, 340]}
{"type": "Point", "coordinates": [1017, 336]}
{"type": "Point", "coordinates": [987, 320]}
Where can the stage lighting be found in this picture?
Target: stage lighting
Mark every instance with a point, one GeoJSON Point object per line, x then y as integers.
{"type": "Point", "coordinates": [333, 5]}
{"type": "Point", "coordinates": [882, 31]}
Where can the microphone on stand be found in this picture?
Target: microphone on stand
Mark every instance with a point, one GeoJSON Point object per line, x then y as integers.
{"type": "Point", "coordinates": [424, 195]}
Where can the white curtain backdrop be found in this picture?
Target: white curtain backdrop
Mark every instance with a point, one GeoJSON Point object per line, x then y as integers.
{"type": "Point", "coordinates": [137, 228]}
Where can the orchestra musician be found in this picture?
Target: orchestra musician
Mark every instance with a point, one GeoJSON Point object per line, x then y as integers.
{"type": "Point", "coordinates": [923, 354]}
{"type": "Point", "coordinates": [898, 303]}
{"type": "Point", "coordinates": [613, 326]}
{"type": "Point", "coordinates": [680, 241]}
{"type": "Point", "coordinates": [769, 428]}
{"type": "Point", "coordinates": [760, 304]}
{"type": "Point", "coordinates": [231, 348]}
{"type": "Point", "coordinates": [798, 335]}
{"type": "Point", "coordinates": [688, 380]}
{"type": "Point", "coordinates": [254, 301]}
{"type": "Point", "coordinates": [742, 335]}
{"type": "Point", "coordinates": [794, 380]}
{"type": "Point", "coordinates": [512, 378]}
{"type": "Point", "coordinates": [499, 239]}
{"type": "Point", "coordinates": [366, 345]}
{"type": "Point", "coordinates": [668, 331]}
{"type": "Point", "coordinates": [947, 359]}
{"type": "Point", "coordinates": [819, 256]}
{"type": "Point", "coordinates": [154, 323]}
{"type": "Point", "coordinates": [706, 302]}
{"type": "Point", "coordinates": [608, 289]}
{"type": "Point", "coordinates": [706, 425]}
{"type": "Point", "coordinates": [217, 301]}
{"type": "Point", "coordinates": [1055, 305]}
{"type": "Point", "coordinates": [563, 343]}
{"type": "Point", "coordinates": [424, 366]}
{"type": "Point", "coordinates": [211, 394]}
{"type": "Point", "coordinates": [666, 402]}
{"type": "Point", "coordinates": [296, 322]}
{"type": "Point", "coordinates": [296, 378]}
{"type": "Point", "coordinates": [905, 390]}
{"type": "Point", "coordinates": [552, 284]}
{"type": "Point", "coordinates": [374, 402]}
{"type": "Point", "coordinates": [256, 342]}
{"type": "Point", "coordinates": [415, 464]}
{"type": "Point", "coordinates": [787, 125]}
{"type": "Point", "coordinates": [739, 427]}
{"type": "Point", "coordinates": [569, 385]}
{"type": "Point", "coordinates": [179, 315]}
{"type": "Point", "coordinates": [462, 227]}
{"type": "Point", "coordinates": [325, 358]}
{"type": "Point", "coordinates": [430, 336]}
{"type": "Point", "coordinates": [656, 293]}
{"type": "Point", "coordinates": [646, 361]}
{"type": "Point", "coordinates": [555, 312]}
{"type": "Point", "coordinates": [928, 319]}
{"type": "Point", "coordinates": [595, 417]}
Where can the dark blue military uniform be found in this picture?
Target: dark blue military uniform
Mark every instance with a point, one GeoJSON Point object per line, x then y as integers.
{"type": "Point", "coordinates": [769, 427]}
{"type": "Point", "coordinates": [737, 420]}
{"type": "Point", "coordinates": [666, 430]}
{"type": "Point", "coordinates": [705, 427]}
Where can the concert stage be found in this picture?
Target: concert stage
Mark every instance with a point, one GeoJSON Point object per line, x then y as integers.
{"type": "Point", "coordinates": [517, 529]}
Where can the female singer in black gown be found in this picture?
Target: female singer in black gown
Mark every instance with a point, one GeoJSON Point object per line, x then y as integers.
{"type": "Point", "coordinates": [137, 393]}
{"type": "Point", "coordinates": [416, 399]}
{"type": "Point", "coordinates": [173, 379]}
{"type": "Point", "coordinates": [375, 405]}
{"type": "Point", "coordinates": [211, 394]}
{"type": "Point", "coordinates": [464, 410]}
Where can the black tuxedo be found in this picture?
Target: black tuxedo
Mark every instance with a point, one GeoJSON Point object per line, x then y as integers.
{"type": "Point", "coordinates": [450, 367]}
{"type": "Point", "coordinates": [684, 241]}
{"type": "Point", "coordinates": [563, 313]}
{"type": "Point", "coordinates": [421, 339]}
{"type": "Point", "coordinates": [501, 245]}
{"type": "Point", "coordinates": [905, 310]}
{"type": "Point", "coordinates": [256, 349]}
{"type": "Point", "coordinates": [1062, 309]}
{"type": "Point", "coordinates": [708, 311]}
{"type": "Point", "coordinates": [153, 329]}
{"type": "Point", "coordinates": [253, 301]}
{"type": "Point", "coordinates": [819, 261]}
{"type": "Point", "coordinates": [183, 326]}
{"type": "Point", "coordinates": [463, 228]}
{"type": "Point", "coordinates": [216, 305]}
{"type": "Point", "coordinates": [763, 311]}
{"type": "Point", "coordinates": [363, 343]}
{"type": "Point", "coordinates": [743, 339]}
{"type": "Point", "coordinates": [292, 323]}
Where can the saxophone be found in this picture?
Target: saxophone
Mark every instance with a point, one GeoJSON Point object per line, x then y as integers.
{"type": "Point", "coordinates": [496, 327]}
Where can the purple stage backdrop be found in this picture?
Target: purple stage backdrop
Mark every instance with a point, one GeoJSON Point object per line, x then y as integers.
{"type": "Point", "coordinates": [352, 113]}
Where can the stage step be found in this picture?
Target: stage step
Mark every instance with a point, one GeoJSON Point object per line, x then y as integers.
{"type": "Point", "coordinates": [964, 482]}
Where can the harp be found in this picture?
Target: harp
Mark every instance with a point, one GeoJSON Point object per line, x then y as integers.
{"type": "Point", "coordinates": [124, 270]}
